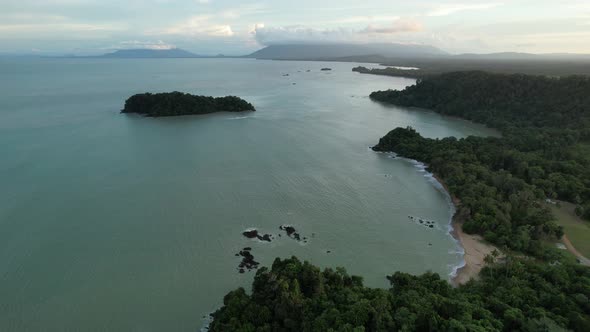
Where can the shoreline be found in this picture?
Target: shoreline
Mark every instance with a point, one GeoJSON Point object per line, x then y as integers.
{"type": "Point", "coordinates": [474, 248]}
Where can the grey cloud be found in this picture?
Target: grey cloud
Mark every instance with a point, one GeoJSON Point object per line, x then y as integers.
{"type": "Point", "coordinates": [302, 34]}
{"type": "Point", "coordinates": [398, 26]}
{"type": "Point", "coordinates": [290, 34]}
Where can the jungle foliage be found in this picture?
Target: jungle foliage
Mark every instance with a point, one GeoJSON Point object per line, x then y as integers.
{"type": "Point", "coordinates": [502, 182]}
{"type": "Point", "coordinates": [178, 103]}
{"type": "Point", "coordinates": [518, 295]}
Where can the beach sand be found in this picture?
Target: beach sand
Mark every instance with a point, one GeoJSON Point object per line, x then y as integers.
{"type": "Point", "coordinates": [475, 248]}
{"type": "Point", "coordinates": [475, 252]}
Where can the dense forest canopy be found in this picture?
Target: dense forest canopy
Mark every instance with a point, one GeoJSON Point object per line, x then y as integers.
{"type": "Point", "coordinates": [178, 103]}
{"type": "Point", "coordinates": [502, 101]}
{"type": "Point", "coordinates": [505, 63]}
{"type": "Point", "coordinates": [518, 295]}
{"type": "Point", "coordinates": [545, 123]}
{"type": "Point", "coordinates": [497, 204]}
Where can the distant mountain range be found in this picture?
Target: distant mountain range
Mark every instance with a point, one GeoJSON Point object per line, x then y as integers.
{"type": "Point", "coordinates": [374, 53]}
{"type": "Point", "coordinates": [333, 51]}
{"type": "Point", "coordinates": [150, 53]}
{"type": "Point", "coordinates": [299, 52]}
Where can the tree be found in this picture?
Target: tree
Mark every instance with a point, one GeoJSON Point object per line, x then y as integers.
{"type": "Point", "coordinates": [521, 295]}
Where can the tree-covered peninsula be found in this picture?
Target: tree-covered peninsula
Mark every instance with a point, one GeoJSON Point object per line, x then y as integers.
{"type": "Point", "coordinates": [518, 295]}
{"type": "Point", "coordinates": [178, 103]}
{"type": "Point", "coordinates": [543, 151]}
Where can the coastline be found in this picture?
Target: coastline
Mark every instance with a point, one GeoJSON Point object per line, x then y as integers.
{"type": "Point", "coordinates": [474, 248]}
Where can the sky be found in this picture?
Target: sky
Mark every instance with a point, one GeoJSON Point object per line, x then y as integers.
{"type": "Point", "coordinates": [236, 27]}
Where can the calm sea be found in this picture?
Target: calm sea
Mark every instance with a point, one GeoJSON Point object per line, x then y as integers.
{"type": "Point", "coordinates": [111, 222]}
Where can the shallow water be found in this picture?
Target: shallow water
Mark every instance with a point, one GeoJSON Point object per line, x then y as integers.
{"type": "Point", "coordinates": [117, 222]}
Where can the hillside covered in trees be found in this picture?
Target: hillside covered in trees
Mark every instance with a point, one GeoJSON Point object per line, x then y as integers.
{"type": "Point", "coordinates": [500, 63]}
{"type": "Point", "coordinates": [518, 295]}
{"type": "Point", "coordinates": [502, 101]}
{"type": "Point", "coordinates": [178, 103]}
{"type": "Point", "coordinates": [545, 123]}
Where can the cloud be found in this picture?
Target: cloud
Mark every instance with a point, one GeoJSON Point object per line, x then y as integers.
{"type": "Point", "coordinates": [137, 44]}
{"type": "Point", "coordinates": [43, 28]}
{"type": "Point", "coordinates": [212, 24]}
{"type": "Point", "coordinates": [196, 26]}
{"type": "Point", "coordinates": [303, 34]}
{"type": "Point", "coordinates": [25, 25]}
{"type": "Point", "coordinates": [243, 10]}
{"type": "Point", "coordinates": [299, 33]}
{"type": "Point", "coordinates": [398, 26]}
{"type": "Point", "coordinates": [363, 19]}
{"type": "Point", "coordinates": [444, 10]}
{"type": "Point", "coordinates": [33, 18]}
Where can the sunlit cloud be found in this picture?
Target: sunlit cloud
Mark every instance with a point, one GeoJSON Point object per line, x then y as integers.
{"type": "Point", "coordinates": [200, 25]}
{"type": "Point", "coordinates": [444, 10]}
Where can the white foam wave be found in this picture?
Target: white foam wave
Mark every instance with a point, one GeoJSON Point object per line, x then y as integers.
{"type": "Point", "coordinates": [240, 117]}
{"type": "Point", "coordinates": [422, 168]}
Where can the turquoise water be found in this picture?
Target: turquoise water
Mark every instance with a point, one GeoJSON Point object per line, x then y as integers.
{"type": "Point", "coordinates": [123, 223]}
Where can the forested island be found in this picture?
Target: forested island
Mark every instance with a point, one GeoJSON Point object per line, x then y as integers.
{"type": "Point", "coordinates": [178, 103]}
{"type": "Point", "coordinates": [501, 184]}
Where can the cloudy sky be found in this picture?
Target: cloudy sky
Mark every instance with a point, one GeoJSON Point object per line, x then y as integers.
{"type": "Point", "coordinates": [242, 26]}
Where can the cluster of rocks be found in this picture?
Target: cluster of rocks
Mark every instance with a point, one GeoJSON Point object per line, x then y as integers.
{"type": "Point", "coordinates": [423, 222]}
{"type": "Point", "coordinates": [248, 262]}
{"type": "Point", "coordinates": [254, 234]}
{"type": "Point", "coordinates": [326, 69]}
{"type": "Point", "coordinates": [292, 233]}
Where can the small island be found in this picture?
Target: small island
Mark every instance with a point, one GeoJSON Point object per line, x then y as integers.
{"type": "Point", "coordinates": [178, 103]}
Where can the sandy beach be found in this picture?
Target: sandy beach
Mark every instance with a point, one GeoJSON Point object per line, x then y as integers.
{"type": "Point", "coordinates": [475, 252]}
{"type": "Point", "coordinates": [475, 248]}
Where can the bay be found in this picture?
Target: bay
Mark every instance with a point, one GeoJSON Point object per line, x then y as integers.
{"type": "Point", "coordinates": [124, 223]}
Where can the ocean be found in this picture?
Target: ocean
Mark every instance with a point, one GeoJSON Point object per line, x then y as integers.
{"type": "Point", "coordinates": [125, 223]}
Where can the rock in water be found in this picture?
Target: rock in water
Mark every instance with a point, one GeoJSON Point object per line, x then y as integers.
{"type": "Point", "coordinates": [251, 234]}
{"type": "Point", "coordinates": [247, 262]}
{"type": "Point", "coordinates": [265, 237]}
{"type": "Point", "coordinates": [291, 232]}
